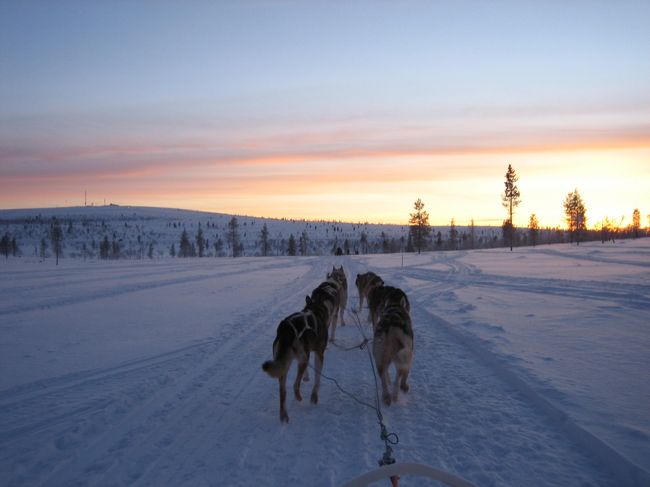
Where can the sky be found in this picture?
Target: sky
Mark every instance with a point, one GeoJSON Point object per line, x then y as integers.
{"type": "Point", "coordinates": [341, 110]}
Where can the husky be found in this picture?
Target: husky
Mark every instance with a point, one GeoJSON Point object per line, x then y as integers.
{"type": "Point", "coordinates": [298, 335]}
{"type": "Point", "coordinates": [393, 343]}
{"type": "Point", "coordinates": [336, 290]}
{"type": "Point", "coordinates": [380, 297]}
{"type": "Point", "coordinates": [366, 283]}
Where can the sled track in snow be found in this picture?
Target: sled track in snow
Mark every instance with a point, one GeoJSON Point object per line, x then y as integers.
{"type": "Point", "coordinates": [461, 275]}
{"type": "Point", "coordinates": [109, 410]}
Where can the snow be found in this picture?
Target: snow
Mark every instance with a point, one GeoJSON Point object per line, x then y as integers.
{"type": "Point", "coordinates": [530, 368]}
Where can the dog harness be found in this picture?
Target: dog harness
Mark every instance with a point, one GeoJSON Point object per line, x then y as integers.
{"type": "Point", "coordinates": [307, 325]}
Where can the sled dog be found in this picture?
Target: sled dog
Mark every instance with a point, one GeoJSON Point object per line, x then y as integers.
{"type": "Point", "coordinates": [393, 343]}
{"type": "Point", "coordinates": [298, 335]}
{"type": "Point", "coordinates": [381, 297]}
{"type": "Point", "coordinates": [366, 283]}
{"type": "Point", "coordinates": [339, 276]}
{"type": "Point", "coordinates": [334, 290]}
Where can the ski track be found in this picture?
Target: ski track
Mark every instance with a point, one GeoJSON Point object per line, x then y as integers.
{"type": "Point", "coordinates": [206, 414]}
{"type": "Point", "coordinates": [115, 287]}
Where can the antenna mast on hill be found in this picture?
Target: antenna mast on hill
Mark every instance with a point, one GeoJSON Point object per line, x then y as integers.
{"type": "Point", "coordinates": [85, 198]}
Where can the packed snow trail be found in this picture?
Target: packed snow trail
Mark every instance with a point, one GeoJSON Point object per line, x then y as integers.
{"type": "Point", "coordinates": [188, 404]}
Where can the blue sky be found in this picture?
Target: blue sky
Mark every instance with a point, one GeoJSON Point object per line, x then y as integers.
{"type": "Point", "coordinates": [209, 105]}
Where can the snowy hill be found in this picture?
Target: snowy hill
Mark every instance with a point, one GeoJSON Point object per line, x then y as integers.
{"type": "Point", "coordinates": [137, 229]}
{"type": "Point", "coordinates": [530, 368]}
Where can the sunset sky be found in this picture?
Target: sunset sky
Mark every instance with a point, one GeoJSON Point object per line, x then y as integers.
{"type": "Point", "coordinates": [327, 110]}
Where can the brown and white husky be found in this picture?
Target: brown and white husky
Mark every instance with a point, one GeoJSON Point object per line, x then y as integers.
{"type": "Point", "coordinates": [366, 283]}
{"type": "Point", "coordinates": [381, 297]}
{"type": "Point", "coordinates": [297, 336]}
{"type": "Point", "coordinates": [393, 343]}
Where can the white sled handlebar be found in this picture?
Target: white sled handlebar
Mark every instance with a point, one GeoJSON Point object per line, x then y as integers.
{"type": "Point", "coordinates": [408, 468]}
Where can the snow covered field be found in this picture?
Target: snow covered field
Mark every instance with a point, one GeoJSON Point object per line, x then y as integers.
{"type": "Point", "coordinates": [531, 368]}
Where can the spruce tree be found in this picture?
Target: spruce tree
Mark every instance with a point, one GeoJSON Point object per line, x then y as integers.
{"type": "Point", "coordinates": [200, 241]}
{"type": "Point", "coordinates": [419, 226]}
{"type": "Point", "coordinates": [233, 236]}
{"type": "Point", "coordinates": [533, 229]}
{"type": "Point", "coordinates": [576, 215]}
{"type": "Point", "coordinates": [185, 248]}
{"type": "Point", "coordinates": [56, 236]}
{"type": "Point", "coordinates": [265, 245]}
{"type": "Point", "coordinates": [291, 246]}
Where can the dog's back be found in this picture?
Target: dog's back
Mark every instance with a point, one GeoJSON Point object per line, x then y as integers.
{"type": "Point", "coordinates": [393, 343]}
{"type": "Point", "coordinates": [365, 283]}
{"type": "Point", "coordinates": [381, 297]}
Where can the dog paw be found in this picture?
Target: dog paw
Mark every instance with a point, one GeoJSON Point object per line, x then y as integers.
{"type": "Point", "coordinates": [298, 396]}
{"type": "Point", "coordinates": [387, 399]}
{"type": "Point", "coordinates": [284, 417]}
{"type": "Point", "coordinates": [314, 398]}
{"type": "Point", "coordinates": [405, 387]}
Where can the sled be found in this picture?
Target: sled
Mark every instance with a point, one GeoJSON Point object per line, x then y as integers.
{"type": "Point", "coordinates": [397, 469]}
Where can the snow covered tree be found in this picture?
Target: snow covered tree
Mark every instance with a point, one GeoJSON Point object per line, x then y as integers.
{"type": "Point", "coordinates": [172, 250]}
{"type": "Point", "coordinates": [304, 243]}
{"type": "Point", "coordinates": [5, 245]}
{"type": "Point", "coordinates": [419, 226]}
{"type": "Point", "coordinates": [184, 248]}
{"type": "Point", "coordinates": [200, 241]}
{"type": "Point", "coordinates": [510, 199]}
{"type": "Point", "coordinates": [56, 237]}
{"type": "Point", "coordinates": [43, 248]}
{"type": "Point", "coordinates": [104, 248]}
{"type": "Point", "coordinates": [265, 244]}
{"type": "Point", "coordinates": [533, 229]}
{"type": "Point", "coordinates": [575, 212]}
{"type": "Point", "coordinates": [291, 246]}
{"type": "Point", "coordinates": [150, 251]}
{"type": "Point", "coordinates": [233, 236]}
{"type": "Point", "coordinates": [453, 235]}
{"type": "Point", "coordinates": [472, 234]}
{"type": "Point", "coordinates": [363, 243]}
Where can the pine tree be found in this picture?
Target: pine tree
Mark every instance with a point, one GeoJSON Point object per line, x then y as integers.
{"type": "Point", "coordinates": [265, 245]}
{"type": "Point", "coordinates": [304, 243]}
{"type": "Point", "coordinates": [291, 246]}
{"type": "Point", "coordinates": [533, 229]}
{"type": "Point", "coordinates": [43, 249]}
{"type": "Point", "coordinates": [363, 242]}
{"type": "Point", "coordinates": [511, 199]}
{"type": "Point", "coordinates": [172, 250]}
{"type": "Point", "coordinates": [453, 235]}
{"type": "Point", "coordinates": [233, 236]}
{"type": "Point", "coordinates": [150, 251]}
{"type": "Point", "coordinates": [200, 241]}
{"type": "Point", "coordinates": [184, 248]}
{"type": "Point", "coordinates": [56, 236]}
{"type": "Point", "coordinates": [472, 234]}
{"type": "Point", "coordinates": [5, 245]}
{"type": "Point", "coordinates": [104, 248]}
{"type": "Point", "coordinates": [576, 218]}
{"type": "Point", "coordinates": [419, 226]}
{"type": "Point", "coordinates": [636, 222]}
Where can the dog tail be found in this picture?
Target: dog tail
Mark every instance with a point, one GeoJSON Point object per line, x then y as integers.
{"type": "Point", "coordinates": [282, 353]}
{"type": "Point", "coordinates": [274, 368]}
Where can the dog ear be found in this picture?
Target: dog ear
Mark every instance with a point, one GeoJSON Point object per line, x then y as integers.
{"type": "Point", "coordinates": [307, 300]}
{"type": "Point", "coordinates": [402, 302]}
